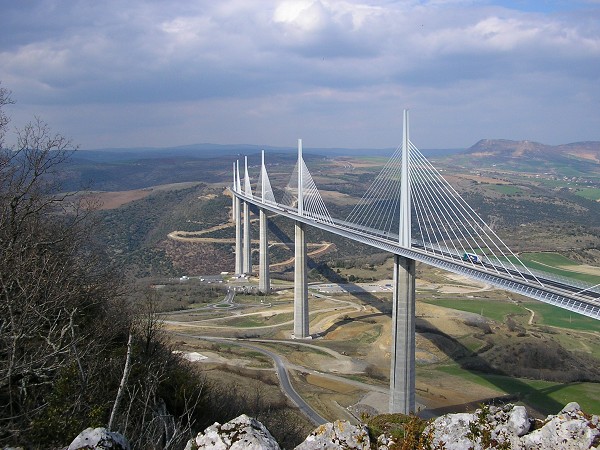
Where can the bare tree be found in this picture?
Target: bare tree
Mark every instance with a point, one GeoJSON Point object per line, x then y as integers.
{"type": "Point", "coordinates": [5, 99]}
{"type": "Point", "coordinates": [49, 285]}
{"type": "Point", "coordinates": [65, 324]}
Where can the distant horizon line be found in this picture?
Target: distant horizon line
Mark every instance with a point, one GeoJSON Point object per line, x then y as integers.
{"type": "Point", "coordinates": [259, 147]}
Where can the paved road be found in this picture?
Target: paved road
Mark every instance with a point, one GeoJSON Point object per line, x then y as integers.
{"type": "Point", "coordinates": [284, 379]}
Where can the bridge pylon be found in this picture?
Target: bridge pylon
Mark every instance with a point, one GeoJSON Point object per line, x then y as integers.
{"type": "Point", "coordinates": [247, 260]}
{"type": "Point", "coordinates": [237, 218]}
{"type": "Point", "coordinates": [402, 371]}
{"type": "Point", "coordinates": [301, 329]}
{"type": "Point", "coordinates": [404, 234]}
{"type": "Point", "coordinates": [264, 276]}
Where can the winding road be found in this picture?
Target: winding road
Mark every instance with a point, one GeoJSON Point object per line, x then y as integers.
{"type": "Point", "coordinates": [284, 380]}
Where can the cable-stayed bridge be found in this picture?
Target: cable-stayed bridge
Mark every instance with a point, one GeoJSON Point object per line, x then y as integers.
{"type": "Point", "coordinates": [411, 211]}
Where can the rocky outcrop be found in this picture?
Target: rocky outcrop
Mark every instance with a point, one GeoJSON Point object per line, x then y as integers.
{"type": "Point", "coordinates": [340, 435]}
{"type": "Point", "coordinates": [506, 427]}
{"type": "Point", "coordinates": [510, 427]}
{"type": "Point", "coordinates": [99, 439]}
{"type": "Point", "coordinates": [246, 433]}
{"type": "Point", "coordinates": [241, 433]}
{"type": "Point", "coordinates": [571, 429]}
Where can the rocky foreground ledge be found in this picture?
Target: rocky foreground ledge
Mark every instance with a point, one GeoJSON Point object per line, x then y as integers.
{"type": "Point", "coordinates": [506, 427]}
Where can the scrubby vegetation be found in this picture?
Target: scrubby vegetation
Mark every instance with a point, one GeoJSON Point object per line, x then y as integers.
{"type": "Point", "coordinates": [67, 321]}
{"type": "Point", "coordinates": [407, 432]}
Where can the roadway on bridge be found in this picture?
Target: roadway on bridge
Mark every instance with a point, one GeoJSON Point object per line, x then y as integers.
{"type": "Point", "coordinates": [570, 296]}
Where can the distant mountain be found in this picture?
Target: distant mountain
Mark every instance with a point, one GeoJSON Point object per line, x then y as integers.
{"type": "Point", "coordinates": [503, 148]}
{"type": "Point", "coordinates": [585, 150]}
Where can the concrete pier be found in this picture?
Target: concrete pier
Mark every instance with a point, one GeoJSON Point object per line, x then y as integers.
{"type": "Point", "coordinates": [247, 244]}
{"type": "Point", "coordinates": [402, 372]}
{"type": "Point", "coordinates": [264, 277]}
{"type": "Point", "coordinates": [300, 284]}
{"type": "Point", "coordinates": [237, 217]}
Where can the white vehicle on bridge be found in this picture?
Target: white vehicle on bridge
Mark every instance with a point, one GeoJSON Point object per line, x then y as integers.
{"type": "Point", "coordinates": [472, 257]}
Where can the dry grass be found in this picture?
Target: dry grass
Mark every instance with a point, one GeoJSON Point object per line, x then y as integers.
{"type": "Point", "coordinates": [583, 268]}
{"type": "Point", "coordinates": [331, 385]}
{"type": "Point", "coordinates": [112, 200]}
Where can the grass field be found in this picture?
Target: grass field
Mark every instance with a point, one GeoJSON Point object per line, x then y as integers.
{"type": "Point", "coordinates": [548, 262]}
{"type": "Point", "coordinates": [589, 193]}
{"type": "Point", "coordinates": [549, 258]}
{"type": "Point", "coordinates": [497, 310]}
{"type": "Point", "coordinates": [493, 309]}
{"type": "Point", "coordinates": [545, 396]}
{"type": "Point", "coordinates": [369, 336]}
{"type": "Point", "coordinates": [257, 321]}
{"type": "Point", "coordinates": [579, 342]}
{"type": "Point", "coordinates": [557, 317]}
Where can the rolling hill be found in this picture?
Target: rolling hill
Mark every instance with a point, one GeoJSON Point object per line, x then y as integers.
{"type": "Point", "coordinates": [582, 157]}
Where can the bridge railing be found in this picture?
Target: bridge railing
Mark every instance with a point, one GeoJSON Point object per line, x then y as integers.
{"type": "Point", "coordinates": [433, 248]}
{"type": "Point", "coordinates": [439, 257]}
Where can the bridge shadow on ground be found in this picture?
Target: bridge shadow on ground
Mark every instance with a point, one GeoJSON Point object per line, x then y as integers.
{"type": "Point", "coordinates": [279, 234]}
{"type": "Point", "coordinates": [287, 240]}
{"type": "Point", "coordinates": [470, 361]}
{"type": "Point", "coordinates": [359, 293]}
{"type": "Point", "coordinates": [347, 320]}
{"type": "Point", "coordinates": [477, 365]}
{"type": "Point", "coordinates": [332, 277]}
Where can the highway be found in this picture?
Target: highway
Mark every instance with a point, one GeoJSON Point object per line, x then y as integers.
{"type": "Point", "coordinates": [545, 289]}
{"type": "Point", "coordinates": [590, 295]}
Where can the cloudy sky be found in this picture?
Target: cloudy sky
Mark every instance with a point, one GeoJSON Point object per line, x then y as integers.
{"type": "Point", "coordinates": [338, 73]}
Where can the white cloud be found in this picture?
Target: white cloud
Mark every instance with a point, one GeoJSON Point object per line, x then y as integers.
{"type": "Point", "coordinates": [235, 66]}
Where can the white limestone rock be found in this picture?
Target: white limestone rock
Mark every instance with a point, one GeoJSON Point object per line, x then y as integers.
{"type": "Point", "coordinates": [452, 430]}
{"type": "Point", "coordinates": [519, 421]}
{"type": "Point", "coordinates": [501, 425]}
{"type": "Point", "coordinates": [339, 435]}
{"type": "Point", "coordinates": [384, 442]}
{"type": "Point", "coordinates": [241, 433]}
{"type": "Point", "coordinates": [99, 439]}
{"type": "Point", "coordinates": [570, 429]}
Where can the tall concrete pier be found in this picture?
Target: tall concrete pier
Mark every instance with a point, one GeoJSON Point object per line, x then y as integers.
{"type": "Point", "coordinates": [300, 275]}
{"type": "Point", "coordinates": [402, 371]}
{"type": "Point", "coordinates": [237, 217]}
{"type": "Point", "coordinates": [402, 374]}
{"type": "Point", "coordinates": [300, 284]}
{"type": "Point", "coordinates": [264, 277]}
{"type": "Point", "coordinates": [247, 259]}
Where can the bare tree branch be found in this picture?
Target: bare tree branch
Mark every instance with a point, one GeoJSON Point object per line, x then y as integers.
{"type": "Point", "coordinates": [123, 383]}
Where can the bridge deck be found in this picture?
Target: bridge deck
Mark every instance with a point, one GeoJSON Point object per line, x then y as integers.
{"type": "Point", "coordinates": [539, 287]}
